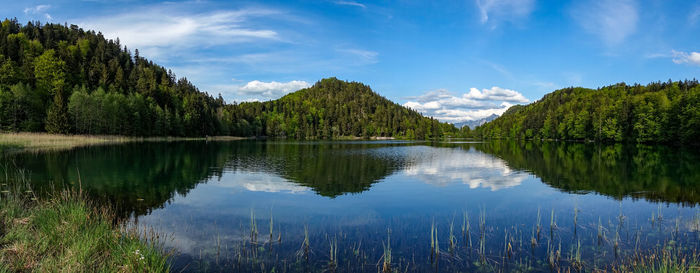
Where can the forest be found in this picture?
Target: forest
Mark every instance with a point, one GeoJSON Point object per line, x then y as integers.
{"type": "Point", "coordinates": [660, 112]}
{"type": "Point", "coordinates": [62, 79]}
{"type": "Point", "coordinates": [331, 109]}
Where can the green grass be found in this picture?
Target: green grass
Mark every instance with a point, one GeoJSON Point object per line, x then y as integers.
{"type": "Point", "coordinates": [668, 260]}
{"type": "Point", "coordinates": [68, 234]}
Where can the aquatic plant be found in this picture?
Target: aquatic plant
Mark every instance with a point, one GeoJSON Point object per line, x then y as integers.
{"type": "Point", "coordinates": [386, 264]}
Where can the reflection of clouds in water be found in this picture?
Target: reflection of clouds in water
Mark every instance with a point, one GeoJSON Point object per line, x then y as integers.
{"type": "Point", "coordinates": [261, 182]}
{"type": "Point", "coordinates": [189, 238]}
{"type": "Point", "coordinates": [441, 167]}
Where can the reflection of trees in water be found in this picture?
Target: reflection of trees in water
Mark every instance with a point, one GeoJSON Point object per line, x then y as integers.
{"type": "Point", "coordinates": [655, 173]}
{"type": "Point", "coordinates": [138, 178]}
{"type": "Point", "coordinates": [329, 169]}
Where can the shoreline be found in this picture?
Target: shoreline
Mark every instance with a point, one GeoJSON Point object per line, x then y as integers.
{"type": "Point", "coordinates": [68, 232]}
{"type": "Point", "coordinates": [40, 142]}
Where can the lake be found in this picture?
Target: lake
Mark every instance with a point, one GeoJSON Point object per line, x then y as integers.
{"type": "Point", "coordinates": [349, 206]}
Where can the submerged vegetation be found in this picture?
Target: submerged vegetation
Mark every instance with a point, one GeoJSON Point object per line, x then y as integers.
{"type": "Point", "coordinates": [660, 112]}
{"type": "Point", "coordinates": [66, 233]}
{"type": "Point", "coordinates": [543, 237]}
{"type": "Point", "coordinates": [639, 247]}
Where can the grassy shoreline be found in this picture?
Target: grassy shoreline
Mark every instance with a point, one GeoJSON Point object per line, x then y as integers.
{"type": "Point", "coordinates": [66, 233]}
{"type": "Point", "coordinates": [37, 142]}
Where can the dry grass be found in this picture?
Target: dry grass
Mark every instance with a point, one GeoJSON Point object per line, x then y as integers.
{"type": "Point", "coordinates": [50, 142]}
{"type": "Point", "coordinates": [43, 141]}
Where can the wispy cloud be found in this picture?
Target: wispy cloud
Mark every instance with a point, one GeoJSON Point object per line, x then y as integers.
{"type": "Point", "coordinates": [694, 15]}
{"type": "Point", "coordinates": [611, 20]}
{"type": "Point", "coordinates": [681, 57]}
{"type": "Point", "coordinates": [495, 11]}
{"type": "Point", "coordinates": [351, 3]}
{"type": "Point", "coordinates": [362, 56]}
{"type": "Point", "coordinates": [38, 9]}
{"type": "Point", "coordinates": [472, 105]}
{"type": "Point", "coordinates": [157, 31]}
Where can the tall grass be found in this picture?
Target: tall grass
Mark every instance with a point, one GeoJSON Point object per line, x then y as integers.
{"type": "Point", "coordinates": [67, 233]}
{"type": "Point", "coordinates": [35, 142]}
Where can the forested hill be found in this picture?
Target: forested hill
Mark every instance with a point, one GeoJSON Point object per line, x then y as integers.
{"type": "Point", "coordinates": [63, 79]}
{"type": "Point", "coordinates": [667, 112]}
{"type": "Point", "coordinates": [332, 108]}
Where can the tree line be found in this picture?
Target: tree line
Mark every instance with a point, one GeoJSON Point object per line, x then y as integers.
{"type": "Point", "coordinates": [332, 108]}
{"type": "Point", "coordinates": [63, 79]}
{"type": "Point", "coordinates": [660, 112]}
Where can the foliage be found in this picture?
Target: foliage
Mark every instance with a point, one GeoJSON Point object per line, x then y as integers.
{"type": "Point", "coordinates": [67, 80]}
{"type": "Point", "coordinates": [667, 112]}
{"type": "Point", "coordinates": [67, 234]}
{"type": "Point", "coordinates": [42, 67]}
{"type": "Point", "coordinates": [332, 108]}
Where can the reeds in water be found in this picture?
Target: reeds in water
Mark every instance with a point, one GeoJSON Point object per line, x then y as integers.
{"type": "Point", "coordinates": [253, 227]}
{"type": "Point", "coordinates": [386, 264]}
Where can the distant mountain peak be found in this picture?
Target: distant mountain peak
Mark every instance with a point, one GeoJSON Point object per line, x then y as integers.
{"type": "Point", "coordinates": [477, 122]}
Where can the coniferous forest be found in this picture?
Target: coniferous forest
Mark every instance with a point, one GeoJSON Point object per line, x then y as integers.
{"type": "Point", "coordinates": [662, 112]}
{"type": "Point", "coordinates": [63, 79]}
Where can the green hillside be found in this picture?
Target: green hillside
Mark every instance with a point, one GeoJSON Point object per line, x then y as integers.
{"type": "Point", "coordinates": [663, 112]}
{"type": "Point", "coordinates": [63, 79]}
{"type": "Point", "coordinates": [332, 108]}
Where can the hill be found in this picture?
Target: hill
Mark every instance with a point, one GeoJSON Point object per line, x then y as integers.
{"type": "Point", "coordinates": [332, 108]}
{"type": "Point", "coordinates": [667, 112]}
{"type": "Point", "coordinates": [63, 79]}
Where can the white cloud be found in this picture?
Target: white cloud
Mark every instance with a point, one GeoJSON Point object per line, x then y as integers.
{"type": "Point", "coordinates": [36, 9]}
{"type": "Point", "coordinates": [39, 9]}
{"type": "Point", "coordinates": [156, 30]}
{"type": "Point", "coordinates": [504, 10]}
{"type": "Point", "coordinates": [611, 20]}
{"type": "Point", "coordinates": [680, 57]}
{"type": "Point", "coordinates": [496, 93]}
{"type": "Point", "coordinates": [270, 90]}
{"type": "Point", "coordinates": [472, 105]}
{"type": "Point", "coordinates": [351, 3]}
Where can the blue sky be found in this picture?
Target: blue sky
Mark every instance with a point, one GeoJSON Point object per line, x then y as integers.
{"type": "Point", "coordinates": [454, 60]}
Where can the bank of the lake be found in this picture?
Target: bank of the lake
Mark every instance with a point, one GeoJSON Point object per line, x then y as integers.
{"type": "Point", "coordinates": [66, 233]}
{"type": "Point", "coordinates": [34, 142]}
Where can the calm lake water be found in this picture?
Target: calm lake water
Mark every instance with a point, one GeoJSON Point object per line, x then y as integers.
{"type": "Point", "coordinates": [251, 206]}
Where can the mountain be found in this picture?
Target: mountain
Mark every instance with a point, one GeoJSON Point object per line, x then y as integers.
{"type": "Point", "coordinates": [477, 122]}
{"type": "Point", "coordinates": [62, 79]}
{"type": "Point", "coordinates": [332, 108]}
{"type": "Point", "coordinates": [662, 112]}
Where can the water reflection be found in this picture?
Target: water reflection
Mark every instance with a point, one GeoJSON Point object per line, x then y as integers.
{"type": "Point", "coordinates": [246, 204]}
{"type": "Point", "coordinates": [655, 173]}
{"type": "Point", "coordinates": [141, 177]}
{"type": "Point", "coordinates": [443, 166]}
{"type": "Point", "coordinates": [263, 182]}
